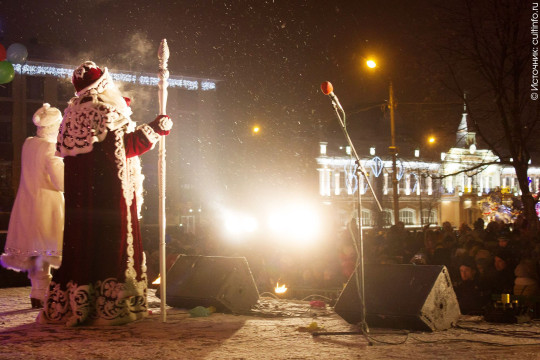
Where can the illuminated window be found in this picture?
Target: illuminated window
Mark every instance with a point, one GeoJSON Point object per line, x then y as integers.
{"type": "Point", "coordinates": [188, 223]}
{"type": "Point", "coordinates": [429, 216]}
{"type": "Point", "coordinates": [388, 217]}
{"type": "Point", "coordinates": [366, 218]}
{"type": "Point", "coordinates": [406, 216]}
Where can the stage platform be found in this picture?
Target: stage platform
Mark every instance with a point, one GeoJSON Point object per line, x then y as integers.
{"type": "Point", "coordinates": [274, 329]}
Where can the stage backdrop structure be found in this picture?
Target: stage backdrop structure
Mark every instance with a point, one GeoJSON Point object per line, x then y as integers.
{"type": "Point", "coordinates": [414, 297]}
{"type": "Point", "coordinates": [225, 283]}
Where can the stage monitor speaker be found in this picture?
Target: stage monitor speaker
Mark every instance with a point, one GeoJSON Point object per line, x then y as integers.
{"type": "Point", "coordinates": [223, 282]}
{"type": "Point", "coordinates": [414, 297]}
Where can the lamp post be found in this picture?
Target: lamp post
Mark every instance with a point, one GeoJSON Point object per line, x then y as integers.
{"type": "Point", "coordinates": [392, 148]}
{"type": "Point", "coordinates": [423, 175]}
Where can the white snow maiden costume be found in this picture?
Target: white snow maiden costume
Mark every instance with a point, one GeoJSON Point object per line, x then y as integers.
{"type": "Point", "coordinates": [34, 239]}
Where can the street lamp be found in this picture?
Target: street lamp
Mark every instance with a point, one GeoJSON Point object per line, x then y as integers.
{"type": "Point", "coordinates": [392, 148]}
{"type": "Point", "coordinates": [421, 175]}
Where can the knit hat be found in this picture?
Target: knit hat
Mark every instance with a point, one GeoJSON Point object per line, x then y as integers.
{"type": "Point", "coordinates": [89, 76]}
{"type": "Point", "coordinates": [46, 116]}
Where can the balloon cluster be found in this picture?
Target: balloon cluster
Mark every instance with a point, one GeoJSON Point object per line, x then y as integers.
{"type": "Point", "coordinates": [15, 54]}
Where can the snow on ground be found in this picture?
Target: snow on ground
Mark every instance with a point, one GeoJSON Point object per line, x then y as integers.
{"type": "Point", "coordinates": [276, 329]}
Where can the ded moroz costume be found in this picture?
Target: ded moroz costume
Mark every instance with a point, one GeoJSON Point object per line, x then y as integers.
{"type": "Point", "coordinates": [102, 280]}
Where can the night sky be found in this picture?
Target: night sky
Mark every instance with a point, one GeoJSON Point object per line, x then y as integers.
{"type": "Point", "coordinates": [271, 57]}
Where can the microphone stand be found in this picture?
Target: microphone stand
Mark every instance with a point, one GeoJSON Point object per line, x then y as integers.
{"type": "Point", "coordinates": [359, 278]}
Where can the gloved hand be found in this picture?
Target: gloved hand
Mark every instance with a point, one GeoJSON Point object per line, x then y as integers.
{"type": "Point", "coordinates": [162, 124]}
{"type": "Point", "coordinates": [164, 121]}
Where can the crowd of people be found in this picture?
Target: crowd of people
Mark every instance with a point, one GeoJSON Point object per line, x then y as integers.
{"type": "Point", "coordinates": [484, 261]}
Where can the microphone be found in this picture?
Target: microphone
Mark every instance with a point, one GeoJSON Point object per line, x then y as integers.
{"type": "Point", "coordinates": [328, 89]}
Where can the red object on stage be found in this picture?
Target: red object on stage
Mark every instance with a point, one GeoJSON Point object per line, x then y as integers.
{"type": "Point", "coordinates": [327, 87]}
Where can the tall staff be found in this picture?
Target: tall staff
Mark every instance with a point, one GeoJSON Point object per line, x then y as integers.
{"type": "Point", "coordinates": [163, 75]}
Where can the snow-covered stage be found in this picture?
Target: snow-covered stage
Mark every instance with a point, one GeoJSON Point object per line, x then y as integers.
{"type": "Point", "coordinates": [276, 329]}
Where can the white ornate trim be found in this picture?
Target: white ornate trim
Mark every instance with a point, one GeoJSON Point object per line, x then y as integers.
{"type": "Point", "coordinates": [129, 175]}
{"type": "Point", "coordinates": [85, 123]}
{"type": "Point", "coordinates": [18, 252]}
{"type": "Point", "coordinates": [103, 303]}
{"type": "Point", "coordinates": [149, 133]}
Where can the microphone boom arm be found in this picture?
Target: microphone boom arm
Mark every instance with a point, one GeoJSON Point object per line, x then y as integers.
{"type": "Point", "coordinates": [361, 168]}
{"type": "Point", "coordinates": [358, 243]}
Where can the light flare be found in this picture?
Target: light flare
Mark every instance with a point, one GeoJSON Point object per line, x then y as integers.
{"type": "Point", "coordinates": [280, 289]}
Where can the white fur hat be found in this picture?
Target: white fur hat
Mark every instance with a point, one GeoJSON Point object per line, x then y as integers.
{"type": "Point", "coordinates": [47, 116]}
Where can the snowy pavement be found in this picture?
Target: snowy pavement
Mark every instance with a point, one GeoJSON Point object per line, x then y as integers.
{"type": "Point", "coordinates": [276, 329]}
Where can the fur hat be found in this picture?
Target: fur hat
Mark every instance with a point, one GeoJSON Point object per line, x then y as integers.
{"type": "Point", "coordinates": [89, 76]}
{"type": "Point", "coordinates": [46, 116]}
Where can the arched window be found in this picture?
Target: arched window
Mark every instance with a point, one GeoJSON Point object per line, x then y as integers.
{"type": "Point", "coordinates": [388, 217]}
{"type": "Point", "coordinates": [407, 216]}
{"type": "Point", "coordinates": [429, 216]}
{"type": "Point", "coordinates": [366, 218]}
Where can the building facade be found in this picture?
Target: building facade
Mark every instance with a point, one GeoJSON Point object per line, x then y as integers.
{"type": "Point", "coordinates": [459, 188]}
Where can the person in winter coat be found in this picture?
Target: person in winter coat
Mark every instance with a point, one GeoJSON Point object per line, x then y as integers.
{"type": "Point", "coordinates": [472, 300]}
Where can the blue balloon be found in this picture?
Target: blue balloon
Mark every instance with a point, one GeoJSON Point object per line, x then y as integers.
{"type": "Point", "coordinates": [17, 53]}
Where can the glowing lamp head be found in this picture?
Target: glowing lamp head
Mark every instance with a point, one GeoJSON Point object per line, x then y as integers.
{"type": "Point", "coordinates": [327, 87]}
{"type": "Point", "coordinates": [371, 64]}
{"type": "Point", "coordinates": [431, 140]}
{"type": "Point", "coordinates": [256, 129]}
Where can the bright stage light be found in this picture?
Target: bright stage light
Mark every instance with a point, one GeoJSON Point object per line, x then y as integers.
{"type": "Point", "coordinates": [298, 223]}
{"type": "Point", "coordinates": [239, 224]}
